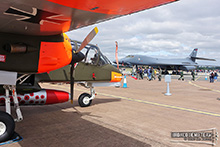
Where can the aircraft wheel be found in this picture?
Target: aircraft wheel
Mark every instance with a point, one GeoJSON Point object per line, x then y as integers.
{"type": "Point", "coordinates": [7, 126]}
{"type": "Point", "coordinates": [84, 100]}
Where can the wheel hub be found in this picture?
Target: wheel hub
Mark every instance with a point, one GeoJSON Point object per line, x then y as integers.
{"type": "Point", "coordinates": [2, 128]}
{"type": "Point", "coordinates": [86, 100]}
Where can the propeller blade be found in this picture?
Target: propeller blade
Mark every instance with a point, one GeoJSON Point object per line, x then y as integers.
{"type": "Point", "coordinates": [88, 38]}
{"type": "Point", "coordinates": [78, 56]}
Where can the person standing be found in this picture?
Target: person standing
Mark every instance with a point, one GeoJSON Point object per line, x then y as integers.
{"type": "Point", "coordinates": [141, 73]}
{"type": "Point", "coordinates": [159, 74]}
{"type": "Point", "coordinates": [133, 71]}
{"type": "Point", "coordinates": [215, 76]}
{"type": "Point", "coordinates": [145, 72]}
{"type": "Point", "coordinates": [211, 77]}
{"type": "Point", "coordinates": [149, 73]}
{"type": "Point", "coordinates": [181, 76]}
{"type": "Point", "coordinates": [193, 75]}
{"type": "Point", "coordinates": [152, 73]}
{"type": "Point", "coordinates": [138, 71]}
{"type": "Point", "coordinates": [155, 73]}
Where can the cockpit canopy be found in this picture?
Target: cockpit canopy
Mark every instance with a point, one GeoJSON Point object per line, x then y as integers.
{"type": "Point", "coordinates": [92, 54]}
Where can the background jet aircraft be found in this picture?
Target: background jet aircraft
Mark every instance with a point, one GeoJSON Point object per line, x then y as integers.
{"type": "Point", "coordinates": [169, 64]}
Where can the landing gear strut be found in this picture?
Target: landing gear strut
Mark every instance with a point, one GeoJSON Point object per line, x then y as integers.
{"type": "Point", "coordinates": [85, 99]}
{"type": "Point", "coordinates": [7, 123]}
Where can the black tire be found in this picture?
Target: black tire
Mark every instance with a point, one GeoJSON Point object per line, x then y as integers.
{"type": "Point", "coordinates": [82, 100]}
{"type": "Point", "coordinates": [7, 121]}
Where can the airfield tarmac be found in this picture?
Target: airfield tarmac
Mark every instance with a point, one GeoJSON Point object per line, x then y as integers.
{"type": "Point", "coordinates": [140, 115]}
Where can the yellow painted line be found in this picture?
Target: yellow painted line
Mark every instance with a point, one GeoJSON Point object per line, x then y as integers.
{"type": "Point", "coordinates": [197, 78]}
{"type": "Point", "coordinates": [158, 104]}
{"type": "Point", "coordinates": [204, 87]}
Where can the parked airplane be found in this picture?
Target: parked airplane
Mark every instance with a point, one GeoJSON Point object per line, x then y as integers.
{"type": "Point", "coordinates": [94, 71]}
{"type": "Point", "coordinates": [32, 39]}
{"type": "Point", "coordinates": [188, 63]}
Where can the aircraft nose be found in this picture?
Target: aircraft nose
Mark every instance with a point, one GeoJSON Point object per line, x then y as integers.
{"type": "Point", "coordinates": [116, 77]}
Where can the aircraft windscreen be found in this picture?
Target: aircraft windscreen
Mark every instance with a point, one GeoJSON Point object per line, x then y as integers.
{"type": "Point", "coordinates": [92, 54]}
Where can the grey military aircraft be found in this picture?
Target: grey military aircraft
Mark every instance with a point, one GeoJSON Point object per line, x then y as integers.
{"type": "Point", "coordinates": [186, 64]}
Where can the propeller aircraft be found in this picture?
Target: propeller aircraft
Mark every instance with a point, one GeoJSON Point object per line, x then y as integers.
{"type": "Point", "coordinates": [95, 70]}
{"type": "Point", "coordinates": [33, 40]}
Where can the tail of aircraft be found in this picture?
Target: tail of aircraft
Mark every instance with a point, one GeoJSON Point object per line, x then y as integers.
{"type": "Point", "coordinates": [194, 54]}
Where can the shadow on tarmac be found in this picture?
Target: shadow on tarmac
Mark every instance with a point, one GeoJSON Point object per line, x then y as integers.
{"type": "Point", "coordinates": [47, 126]}
{"type": "Point", "coordinates": [104, 100]}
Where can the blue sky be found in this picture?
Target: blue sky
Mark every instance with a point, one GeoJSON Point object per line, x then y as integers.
{"type": "Point", "coordinates": [172, 30]}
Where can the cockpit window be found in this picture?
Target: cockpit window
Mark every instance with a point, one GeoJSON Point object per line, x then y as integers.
{"type": "Point", "coordinates": [92, 54]}
{"type": "Point", "coordinates": [129, 56]}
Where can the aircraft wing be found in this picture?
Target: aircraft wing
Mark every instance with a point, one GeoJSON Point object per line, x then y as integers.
{"type": "Point", "coordinates": [50, 17]}
{"type": "Point", "coordinates": [175, 64]}
{"type": "Point", "coordinates": [200, 58]}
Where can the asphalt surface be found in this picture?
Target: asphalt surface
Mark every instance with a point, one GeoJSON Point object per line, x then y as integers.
{"type": "Point", "coordinates": [140, 115]}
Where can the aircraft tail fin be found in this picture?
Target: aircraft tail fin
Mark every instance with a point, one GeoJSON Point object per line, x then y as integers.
{"type": "Point", "coordinates": [194, 53]}
{"type": "Point", "coordinates": [193, 56]}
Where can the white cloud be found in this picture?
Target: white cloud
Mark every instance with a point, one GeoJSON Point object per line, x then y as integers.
{"type": "Point", "coordinates": [170, 30]}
